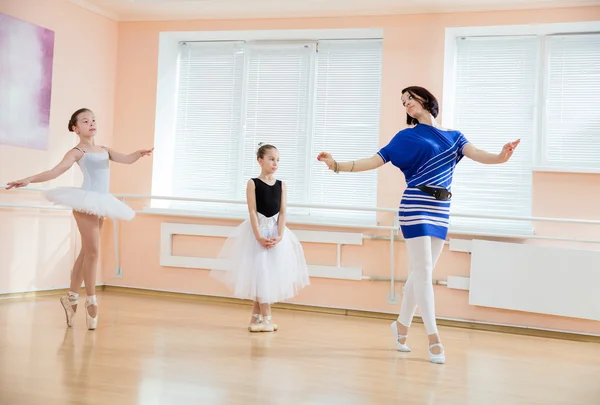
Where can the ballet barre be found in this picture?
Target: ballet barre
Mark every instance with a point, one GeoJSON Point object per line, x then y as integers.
{"type": "Point", "coordinates": [341, 207]}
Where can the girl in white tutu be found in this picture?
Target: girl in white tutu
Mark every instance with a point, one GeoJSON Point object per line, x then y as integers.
{"type": "Point", "coordinates": [262, 259]}
{"type": "Point", "coordinates": [91, 203]}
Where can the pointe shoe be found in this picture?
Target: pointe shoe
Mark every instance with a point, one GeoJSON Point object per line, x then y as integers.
{"type": "Point", "coordinates": [92, 323]}
{"type": "Point", "coordinates": [437, 358]}
{"type": "Point", "coordinates": [258, 326]}
{"type": "Point", "coordinates": [67, 302]}
{"type": "Point", "coordinates": [269, 323]}
{"type": "Point", "coordinates": [401, 347]}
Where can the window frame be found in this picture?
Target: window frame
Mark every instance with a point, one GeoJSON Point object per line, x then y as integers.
{"type": "Point", "coordinates": [166, 102]}
{"type": "Point", "coordinates": [542, 31]}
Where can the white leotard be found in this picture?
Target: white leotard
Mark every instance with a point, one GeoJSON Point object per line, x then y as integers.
{"type": "Point", "coordinates": [96, 171]}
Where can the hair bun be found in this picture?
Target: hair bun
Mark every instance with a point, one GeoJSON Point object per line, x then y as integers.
{"type": "Point", "coordinates": [263, 147]}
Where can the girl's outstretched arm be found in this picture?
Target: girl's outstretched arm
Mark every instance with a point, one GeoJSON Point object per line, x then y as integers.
{"type": "Point", "coordinates": [65, 164]}
{"type": "Point", "coordinates": [130, 158]}
{"type": "Point", "coordinates": [251, 201]}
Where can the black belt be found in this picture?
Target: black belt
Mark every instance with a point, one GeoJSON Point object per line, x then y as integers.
{"type": "Point", "coordinates": [439, 193]}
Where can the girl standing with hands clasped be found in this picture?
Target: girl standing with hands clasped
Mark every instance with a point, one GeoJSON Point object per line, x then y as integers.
{"type": "Point", "coordinates": [427, 155]}
{"type": "Point", "coordinates": [90, 203]}
{"type": "Point", "coordinates": [262, 259]}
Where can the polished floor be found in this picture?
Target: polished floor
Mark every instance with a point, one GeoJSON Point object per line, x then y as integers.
{"type": "Point", "coordinates": [150, 351]}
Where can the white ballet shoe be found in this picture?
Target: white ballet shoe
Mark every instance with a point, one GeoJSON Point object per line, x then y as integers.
{"type": "Point", "coordinates": [401, 347]}
{"type": "Point", "coordinates": [258, 326]}
{"type": "Point", "coordinates": [92, 323]}
{"type": "Point", "coordinates": [67, 302]}
{"type": "Point", "coordinates": [437, 358]}
{"type": "Point", "coordinates": [268, 323]}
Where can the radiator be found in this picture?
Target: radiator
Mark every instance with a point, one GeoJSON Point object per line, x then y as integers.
{"type": "Point", "coordinates": [540, 279]}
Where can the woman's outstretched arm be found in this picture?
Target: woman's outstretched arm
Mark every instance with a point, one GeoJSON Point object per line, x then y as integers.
{"type": "Point", "coordinates": [359, 165]}
{"type": "Point", "coordinates": [487, 158]}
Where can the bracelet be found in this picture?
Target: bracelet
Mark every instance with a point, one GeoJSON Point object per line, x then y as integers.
{"type": "Point", "coordinates": [336, 166]}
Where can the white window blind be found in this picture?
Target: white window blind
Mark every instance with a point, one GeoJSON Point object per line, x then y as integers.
{"type": "Point", "coordinates": [208, 124]}
{"type": "Point", "coordinates": [572, 119]}
{"type": "Point", "coordinates": [494, 104]}
{"type": "Point", "coordinates": [277, 100]}
{"type": "Point", "coordinates": [233, 95]}
{"type": "Point", "coordinates": [348, 93]}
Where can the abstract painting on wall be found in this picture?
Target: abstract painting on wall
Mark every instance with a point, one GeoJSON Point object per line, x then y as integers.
{"type": "Point", "coordinates": [26, 56]}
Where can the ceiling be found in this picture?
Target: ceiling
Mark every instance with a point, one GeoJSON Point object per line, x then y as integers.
{"type": "Point", "coordinates": [153, 10]}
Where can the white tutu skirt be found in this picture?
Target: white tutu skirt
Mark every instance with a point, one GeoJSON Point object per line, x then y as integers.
{"type": "Point", "coordinates": [259, 274]}
{"type": "Point", "coordinates": [90, 202]}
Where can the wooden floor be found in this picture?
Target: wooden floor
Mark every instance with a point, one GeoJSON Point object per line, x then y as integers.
{"type": "Point", "coordinates": [150, 351]}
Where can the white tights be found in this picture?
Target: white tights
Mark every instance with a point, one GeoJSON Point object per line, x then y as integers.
{"type": "Point", "coordinates": [423, 253]}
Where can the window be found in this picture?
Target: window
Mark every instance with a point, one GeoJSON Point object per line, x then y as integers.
{"type": "Point", "coordinates": [277, 106]}
{"type": "Point", "coordinates": [346, 123]}
{"type": "Point", "coordinates": [528, 82]}
{"type": "Point", "coordinates": [494, 103]}
{"type": "Point", "coordinates": [208, 121]}
{"type": "Point", "coordinates": [301, 96]}
{"type": "Point", "coordinates": [572, 99]}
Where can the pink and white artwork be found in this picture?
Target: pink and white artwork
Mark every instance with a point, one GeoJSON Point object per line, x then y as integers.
{"type": "Point", "coordinates": [26, 55]}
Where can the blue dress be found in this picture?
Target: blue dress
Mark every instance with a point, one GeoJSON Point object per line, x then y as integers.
{"type": "Point", "coordinates": [427, 156]}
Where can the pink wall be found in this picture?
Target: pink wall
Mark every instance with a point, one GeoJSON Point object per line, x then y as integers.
{"type": "Point", "coordinates": [112, 68]}
{"type": "Point", "coordinates": [406, 61]}
{"type": "Point", "coordinates": [38, 247]}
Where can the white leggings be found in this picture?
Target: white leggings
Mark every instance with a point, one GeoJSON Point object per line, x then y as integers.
{"type": "Point", "coordinates": [423, 253]}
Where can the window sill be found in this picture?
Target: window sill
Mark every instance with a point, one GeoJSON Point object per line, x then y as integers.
{"type": "Point", "coordinates": [291, 219]}
{"type": "Point", "coordinates": [573, 170]}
